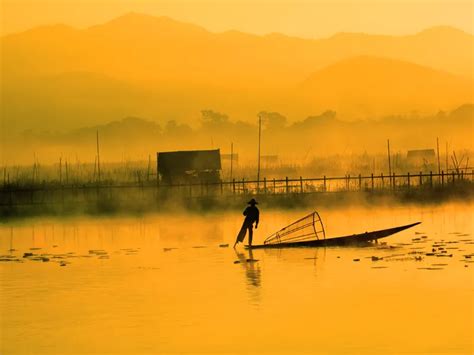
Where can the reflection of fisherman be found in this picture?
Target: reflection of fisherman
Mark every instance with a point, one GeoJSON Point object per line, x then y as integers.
{"type": "Point", "coordinates": [252, 270]}
{"type": "Point", "coordinates": [252, 215]}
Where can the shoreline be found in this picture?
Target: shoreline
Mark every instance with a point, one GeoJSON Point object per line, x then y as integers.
{"type": "Point", "coordinates": [137, 203]}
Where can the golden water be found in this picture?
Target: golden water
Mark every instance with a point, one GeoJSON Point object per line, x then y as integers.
{"type": "Point", "coordinates": [138, 297]}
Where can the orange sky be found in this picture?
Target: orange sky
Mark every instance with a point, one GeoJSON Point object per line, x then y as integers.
{"type": "Point", "coordinates": [308, 18]}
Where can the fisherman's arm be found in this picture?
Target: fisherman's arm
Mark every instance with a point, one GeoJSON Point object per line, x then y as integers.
{"type": "Point", "coordinates": [257, 215]}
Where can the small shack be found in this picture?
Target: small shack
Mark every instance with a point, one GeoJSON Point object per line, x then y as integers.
{"type": "Point", "coordinates": [421, 155]}
{"type": "Point", "coordinates": [269, 159]}
{"type": "Point", "coordinates": [424, 159]}
{"type": "Point", "coordinates": [192, 166]}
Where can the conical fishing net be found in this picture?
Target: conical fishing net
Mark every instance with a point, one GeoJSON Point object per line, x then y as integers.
{"type": "Point", "coordinates": [307, 228]}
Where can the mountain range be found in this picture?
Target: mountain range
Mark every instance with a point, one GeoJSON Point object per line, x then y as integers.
{"type": "Point", "coordinates": [60, 77]}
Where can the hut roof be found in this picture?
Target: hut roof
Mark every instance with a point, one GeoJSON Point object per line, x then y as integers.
{"type": "Point", "coordinates": [192, 160]}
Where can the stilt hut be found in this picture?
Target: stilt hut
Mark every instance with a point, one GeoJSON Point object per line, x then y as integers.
{"type": "Point", "coordinates": [191, 166]}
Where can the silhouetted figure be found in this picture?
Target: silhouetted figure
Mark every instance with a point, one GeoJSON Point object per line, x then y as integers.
{"type": "Point", "coordinates": [252, 215]}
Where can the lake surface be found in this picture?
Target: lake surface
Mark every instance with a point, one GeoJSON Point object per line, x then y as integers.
{"type": "Point", "coordinates": [163, 284]}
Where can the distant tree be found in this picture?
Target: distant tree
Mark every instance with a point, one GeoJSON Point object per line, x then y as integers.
{"type": "Point", "coordinates": [273, 120]}
{"type": "Point", "coordinates": [212, 118]}
{"type": "Point", "coordinates": [312, 121]}
{"type": "Point", "coordinates": [172, 128]}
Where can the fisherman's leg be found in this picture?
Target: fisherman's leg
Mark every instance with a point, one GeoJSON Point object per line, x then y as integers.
{"type": "Point", "coordinates": [243, 230]}
{"type": "Point", "coordinates": [250, 234]}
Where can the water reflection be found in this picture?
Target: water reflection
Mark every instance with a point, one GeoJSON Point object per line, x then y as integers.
{"type": "Point", "coordinates": [252, 273]}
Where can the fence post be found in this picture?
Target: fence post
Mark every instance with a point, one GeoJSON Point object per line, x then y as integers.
{"type": "Point", "coordinates": [324, 181]}
{"type": "Point", "coordinates": [233, 186]}
{"type": "Point", "coordinates": [265, 185]}
{"type": "Point", "coordinates": [287, 188]}
{"type": "Point", "coordinates": [301, 184]}
{"type": "Point", "coordinates": [408, 180]}
{"type": "Point", "coordinates": [372, 181]}
{"type": "Point", "coordinates": [431, 179]}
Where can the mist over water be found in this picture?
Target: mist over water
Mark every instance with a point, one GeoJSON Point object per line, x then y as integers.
{"type": "Point", "coordinates": [167, 283]}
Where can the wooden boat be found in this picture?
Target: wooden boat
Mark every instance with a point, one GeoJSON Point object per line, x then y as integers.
{"type": "Point", "coordinates": [363, 238]}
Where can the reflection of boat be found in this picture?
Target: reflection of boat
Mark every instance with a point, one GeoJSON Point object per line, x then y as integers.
{"type": "Point", "coordinates": [309, 232]}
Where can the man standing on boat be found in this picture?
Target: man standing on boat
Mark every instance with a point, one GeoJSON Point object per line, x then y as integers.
{"type": "Point", "coordinates": [252, 215]}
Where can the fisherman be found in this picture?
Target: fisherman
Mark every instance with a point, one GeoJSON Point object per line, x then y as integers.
{"type": "Point", "coordinates": [252, 215]}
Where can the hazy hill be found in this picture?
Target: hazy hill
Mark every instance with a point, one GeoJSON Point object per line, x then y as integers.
{"type": "Point", "coordinates": [373, 86]}
{"type": "Point", "coordinates": [143, 47]}
{"type": "Point", "coordinates": [61, 77]}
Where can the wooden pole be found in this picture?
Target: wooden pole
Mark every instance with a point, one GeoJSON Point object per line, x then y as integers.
{"type": "Point", "coordinates": [34, 171]}
{"type": "Point", "coordinates": [37, 169]}
{"type": "Point", "coordinates": [67, 172]}
{"type": "Point", "coordinates": [447, 160]}
{"type": "Point", "coordinates": [437, 149]}
{"type": "Point", "coordinates": [148, 169]}
{"type": "Point", "coordinates": [98, 157]}
{"type": "Point", "coordinates": [389, 162]}
{"type": "Point", "coordinates": [259, 143]}
{"type": "Point", "coordinates": [231, 158]}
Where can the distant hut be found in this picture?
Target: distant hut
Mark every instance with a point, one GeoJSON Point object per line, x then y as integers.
{"type": "Point", "coordinates": [421, 157]}
{"type": "Point", "coordinates": [193, 166]}
{"type": "Point", "coordinates": [269, 159]}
